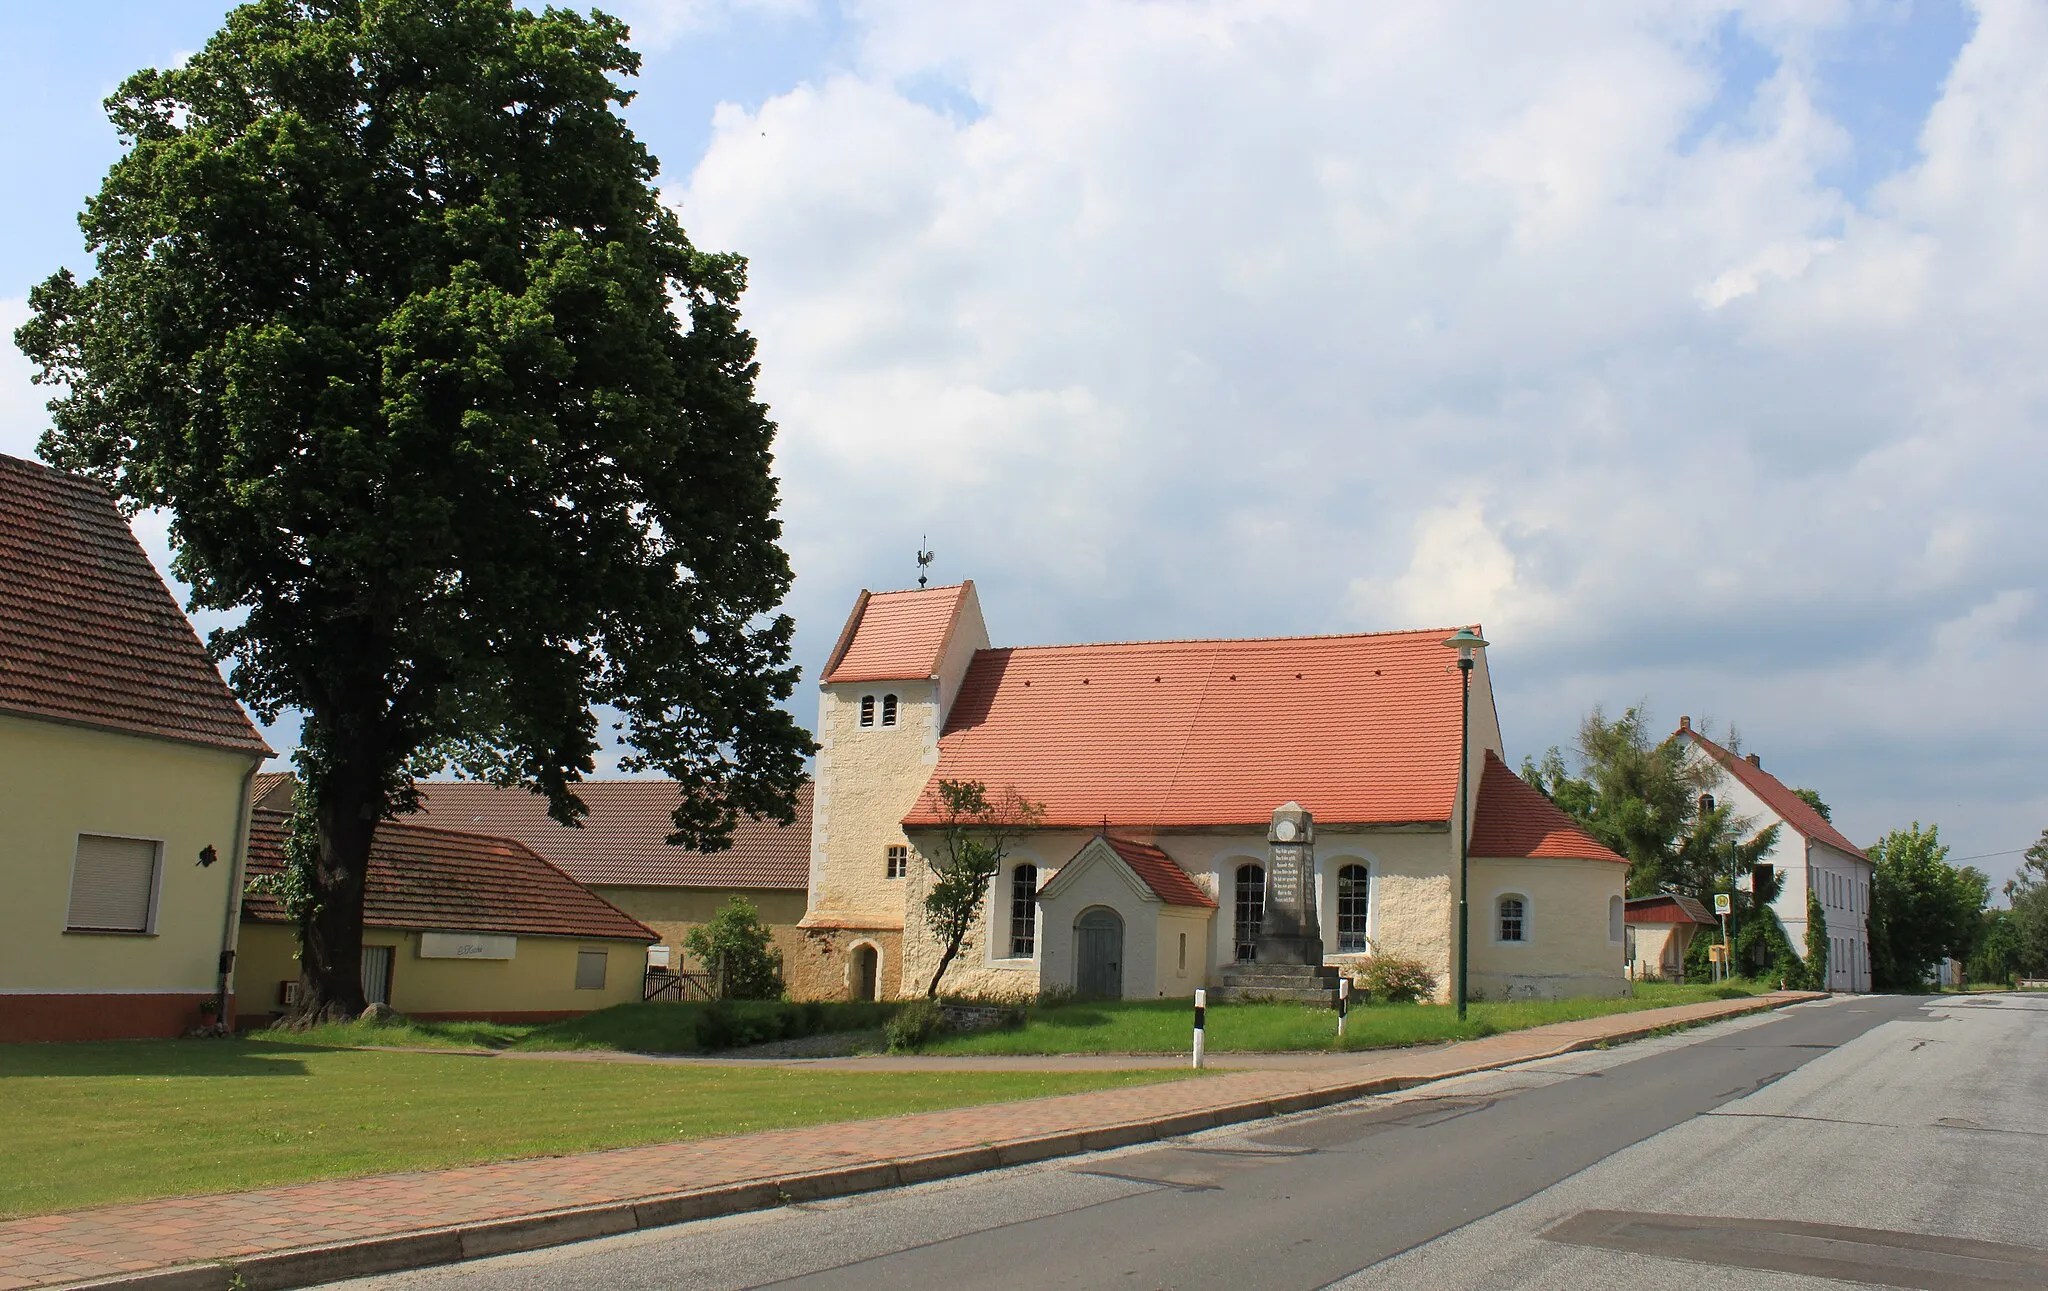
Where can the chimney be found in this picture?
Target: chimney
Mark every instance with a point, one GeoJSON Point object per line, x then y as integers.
{"type": "Point", "coordinates": [1756, 761]}
{"type": "Point", "coordinates": [1685, 723]}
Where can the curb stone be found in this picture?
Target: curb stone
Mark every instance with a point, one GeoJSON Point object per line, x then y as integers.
{"type": "Point", "coordinates": [369, 1257]}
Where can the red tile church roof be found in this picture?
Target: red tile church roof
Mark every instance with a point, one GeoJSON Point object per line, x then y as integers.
{"type": "Point", "coordinates": [1359, 729]}
{"type": "Point", "coordinates": [1513, 820]}
{"type": "Point", "coordinates": [1160, 872]}
{"type": "Point", "coordinates": [895, 636]}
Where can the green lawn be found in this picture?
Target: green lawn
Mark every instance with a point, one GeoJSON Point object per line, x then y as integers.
{"type": "Point", "coordinates": [87, 1124]}
{"type": "Point", "coordinates": [636, 1028]}
{"type": "Point", "coordinates": [1164, 1026]}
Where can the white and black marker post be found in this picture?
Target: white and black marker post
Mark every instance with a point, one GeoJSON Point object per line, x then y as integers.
{"type": "Point", "coordinates": [1201, 1009]}
{"type": "Point", "coordinates": [1343, 1003]}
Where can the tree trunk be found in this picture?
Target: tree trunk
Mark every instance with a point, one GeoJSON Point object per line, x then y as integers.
{"type": "Point", "coordinates": [331, 956]}
{"type": "Point", "coordinates": [945, 962]}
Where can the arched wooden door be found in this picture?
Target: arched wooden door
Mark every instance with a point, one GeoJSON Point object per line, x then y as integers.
{"type": "Point", "coordinates": [1099, 953]}
{"type": "Point", "coordinates": [866, 974]}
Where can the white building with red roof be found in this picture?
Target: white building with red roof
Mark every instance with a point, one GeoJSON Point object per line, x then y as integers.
{"type": "Point", "coordinates": [1810, 854]}
{"type": "Point", "coordinates": [1158, 766]}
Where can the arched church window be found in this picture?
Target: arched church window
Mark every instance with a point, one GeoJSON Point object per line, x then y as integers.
{"type": "Point", "coordinates": [1250, 910]}
{"type": "Point", "coordinates": [1354, 904]}
{"type": "Point", "coordinates": [867, 710]}
{"type": "Point", "coordinates": [888, 710]}
{"type": "Point", "coordinates": [1514, 919]}
{"type": "Point", "coordinates": [1023, 911]}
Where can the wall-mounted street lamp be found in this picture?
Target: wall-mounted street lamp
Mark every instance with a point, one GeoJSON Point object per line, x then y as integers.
{"type": "Point", "coordinates": [1466, 643]}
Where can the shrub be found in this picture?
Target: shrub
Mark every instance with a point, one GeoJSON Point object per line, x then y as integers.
{"type": "Point", "coordinates": [737, 946]}
{"type": "Point", "coordinates": [1395, 979]}
{"type": "Point", "coordinates": [911, 1026]}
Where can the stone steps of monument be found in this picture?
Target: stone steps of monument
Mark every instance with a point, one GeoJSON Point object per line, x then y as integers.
{"type": "Point", "coordinates": [1276, 994]}
{"type": "Point", "coordinates": [1290, 983]}
{"type": "Point", "coordinates": [1313, 975]}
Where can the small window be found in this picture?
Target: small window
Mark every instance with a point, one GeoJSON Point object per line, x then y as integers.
{"type": "Point", "coordinates": [888, 710]}
{"type": "Point", "coordinates": [1514, 919]}
{"type": "Point", "coordinates": [1023, 911]}
{"type": "Point", "coordinates": [867, 710]}
{"type": "Point", "coordinates": [590, 965]}
{"type": "Point", "coordinates": [898, 860]}
{"type": "Point", "coordinates": [1354, 904]}
{"type": "Point", "coordinates": [1616, 919]}
{"type": "Point", "coordinates": [1183, 954]}
{"type": "Point", "coordinates": [113, 884]}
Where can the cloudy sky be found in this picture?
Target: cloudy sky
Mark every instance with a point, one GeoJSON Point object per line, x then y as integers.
{"type": "Point", "coordinates": [1695, 349]}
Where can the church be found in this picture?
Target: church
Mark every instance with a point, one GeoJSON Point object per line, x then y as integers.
{"type": "Point", "coordinates": [1158, 768]}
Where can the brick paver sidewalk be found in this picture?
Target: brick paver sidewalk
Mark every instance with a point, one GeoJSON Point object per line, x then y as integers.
{"type": "Point", "coordinates": [306, 1233]}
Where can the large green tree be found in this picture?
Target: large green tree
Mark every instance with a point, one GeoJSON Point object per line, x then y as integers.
{"type": "Point", "coordinates": [1922, 909]}
{"type": "Point", "coordinates": [1638, 793]}
{"type": "Point", "coordinates": [2027, 893]}
{"type": "Point", "coordinates": [388, 313]}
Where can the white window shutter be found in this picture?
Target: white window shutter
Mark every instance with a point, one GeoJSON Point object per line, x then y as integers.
{"type": "Point", "coordinates": [112, 882]}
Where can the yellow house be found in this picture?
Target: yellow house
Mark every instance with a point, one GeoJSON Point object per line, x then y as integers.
{"type": "Point", "coordinates": [621, 852]}
{"type": "Point", "coordinates": [125, 768]}
{"type": "Point", "coordinates": [455, 926]}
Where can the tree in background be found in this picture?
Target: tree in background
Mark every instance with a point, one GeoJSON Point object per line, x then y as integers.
{"type": "Point", "coordinates": [389, 314]}
{"type": "Point", "coordinates": [1922, 909]}
{"type": "Point", "coordinates": [976, 833]}
{"type": "Point", "coordinates": [1638, 793]}
{"type": "Point", "coordinates": [1813, 800]}
{"type": "Point", "coordinates": [2028, 895]}
{"type": "Point", "coordinates": [738, 948]}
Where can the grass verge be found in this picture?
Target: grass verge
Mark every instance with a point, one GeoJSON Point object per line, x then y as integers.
{"type": "Point", "coordinates": [695, 1027]}
{"type": "Point", "coordinates": [90, 1124]}
{"type": "Point", "coordinates": [1163, 1026]}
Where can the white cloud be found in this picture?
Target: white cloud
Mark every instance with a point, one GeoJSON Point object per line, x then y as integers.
{"type": "Point", "coordinates": [1246, 317]}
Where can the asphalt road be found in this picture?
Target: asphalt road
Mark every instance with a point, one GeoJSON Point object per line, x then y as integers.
{"type": "Point", "coordinates": [1903, 1116]}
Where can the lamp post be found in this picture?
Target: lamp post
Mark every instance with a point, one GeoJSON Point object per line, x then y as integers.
{"type": "Point", "coordinates": [1465, 643]}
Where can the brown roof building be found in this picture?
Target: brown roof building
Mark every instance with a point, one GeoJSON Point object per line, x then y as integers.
{"type": "Point", "coordinates": [92, 635]}
{"type": "Point", "coordinates": [624, 839]}
{"type": "Point", "coordinates": [441, 880]}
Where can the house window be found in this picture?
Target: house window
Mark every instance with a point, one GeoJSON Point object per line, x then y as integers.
{"type": "Point", "coordinates": [1616, 921]}
{"type": "Point", "coordinates": [113, 884]}
{"type": "Point", "coordinates": [897, 858]}
{"type": "Point", "coordinates": [1250, 910]}
{"type": "Point", "coordinates": [888, 710]}
{"type": "Point", "coordinates": [1183, 954]}
{"type": "Point", "coordinates": [1023, 911]}
{"type": "Point", "coordinates": [867, 710]}
{"type": "Point", "coordinates": [1514, 919]}
{"type": "Point", "coordinates": [1354, 903]}
{"type": "Point", "coordinates": [590, 966]}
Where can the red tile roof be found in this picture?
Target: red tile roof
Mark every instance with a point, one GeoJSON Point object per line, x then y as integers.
{"type": "Point", "coordinates": [438, 879]}
{"type": "Point", "coordinates": [88, 631]}
{"type": "Point", "coordinates": [1790, 807]}
{"type": "Point", "coordinates": [1359, 729]}
{"type": "Point", "coordinates": [896, 636]}
{"type": "Point", "coordinates": [1666, 907]}
{"type": "Point", "coordinates": [624, 839]}
{"type": "Point", "coordinates": [273, 791]}
{"type": "Point", "coordinates": [1512, 820]}
{"type": "Point", "coordinates": [1160, 872]}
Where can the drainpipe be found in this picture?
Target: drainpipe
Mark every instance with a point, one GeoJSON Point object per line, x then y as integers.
{"type": "Point", "coordinates": [231, 914]}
